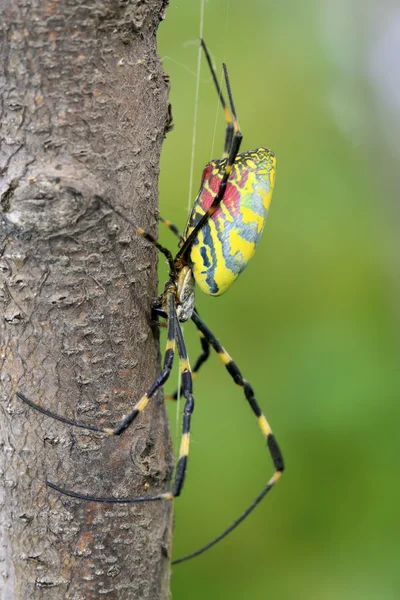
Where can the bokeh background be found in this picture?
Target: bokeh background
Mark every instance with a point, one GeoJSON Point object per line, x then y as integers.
{"type": "Point", "coordinates": [313, 322]}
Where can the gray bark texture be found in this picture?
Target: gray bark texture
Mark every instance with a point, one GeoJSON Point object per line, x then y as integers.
{"type": "Point", "coordinates": [83, 113]}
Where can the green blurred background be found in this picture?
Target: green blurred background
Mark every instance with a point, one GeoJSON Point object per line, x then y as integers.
{"type": "Point", "coordinates": [313, 321]}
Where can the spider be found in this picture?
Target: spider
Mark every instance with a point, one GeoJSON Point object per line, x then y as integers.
{"type": "Point", "coordinates": [221, 235]}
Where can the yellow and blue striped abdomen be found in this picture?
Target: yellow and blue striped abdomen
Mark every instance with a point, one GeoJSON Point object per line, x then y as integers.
{"type": "Point", "coordinates": [227, 241]}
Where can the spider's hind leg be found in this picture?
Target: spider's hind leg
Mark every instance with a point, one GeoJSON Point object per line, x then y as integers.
{"type": "Point", "coordinates": [272, 445]}
{"type": "Point", "coordinates": [237, 377]}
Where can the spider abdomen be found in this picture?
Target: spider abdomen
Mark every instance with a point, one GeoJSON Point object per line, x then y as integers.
{"type": "Point", "coordinates": [224, 245]}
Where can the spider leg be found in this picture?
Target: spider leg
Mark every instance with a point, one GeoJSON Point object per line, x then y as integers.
{"type": "Point", "coordinates": [147, 236]}
{"type": "Point", "coordinates": [171, 226]}
{"type": "Point", "coordinates": [142, 403]}
{"type": "Point", "coordinates": [228, 117]}
{"type": "Point", "coordinates": [273, 447]}
{"type": "Point", "coordinates": [205, 345]}
{"type": "Point", "coordinates": [233, 152]}
{"type": "Point", "coordinates": [180, 470]}
{"type": "Point", "coordinates": [233, 138]}
{"type": "Point", "coordinates": [186, 378]}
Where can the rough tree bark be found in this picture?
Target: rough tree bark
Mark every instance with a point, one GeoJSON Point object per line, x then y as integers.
{"type": "Point", "coordinates": [83, 114]}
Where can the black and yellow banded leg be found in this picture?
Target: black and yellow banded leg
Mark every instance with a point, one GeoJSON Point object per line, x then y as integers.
{"type": "Point", "coordinates": [186, 379]}
{"type": "Point", "coordinates": [147, 236]}
{"type": "Point", "coordinates": [236, 375]}
{"type": "Point", "coordinates": [228, 117]}
{"type": "Point", "coordinates": [142, 403]}
{"type": "Point", "coordinates": [231, 154]}
{"type": "Point", "coordinates": [171, 226]}
{"type": "Point", "coordinates": [273, 447]}
{"type": "Point", "coordinates": [180, 471]}
{"type": "Point", "coordinates": [205, 346]}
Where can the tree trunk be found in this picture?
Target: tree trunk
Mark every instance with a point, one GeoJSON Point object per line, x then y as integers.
{"type": "Point", "coordinates": [83, 114]}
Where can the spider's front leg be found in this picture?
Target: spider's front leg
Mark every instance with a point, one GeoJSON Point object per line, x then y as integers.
{"type": "Point", "coordinates": [142, 403]}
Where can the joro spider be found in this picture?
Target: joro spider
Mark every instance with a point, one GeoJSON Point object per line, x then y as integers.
{"type": "Point", "coordinates": [220, 237]}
